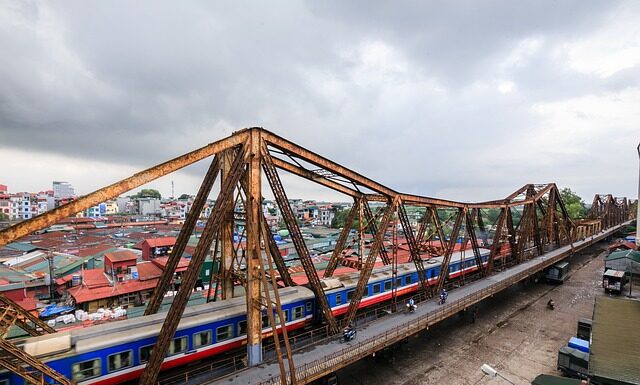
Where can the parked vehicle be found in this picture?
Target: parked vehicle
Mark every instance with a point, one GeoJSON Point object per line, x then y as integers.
{"type": "Point", "coordinates": [573, 362]}
{"type": "Point", "coordinates": [584, 329]}
{"type": "Point", "coordinates": [613, 281]}
{"type": "Point", "coordinates": [557, 273]}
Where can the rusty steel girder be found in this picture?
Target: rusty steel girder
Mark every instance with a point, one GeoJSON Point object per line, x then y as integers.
{"type": "Point", "coordinates": [49, 218]}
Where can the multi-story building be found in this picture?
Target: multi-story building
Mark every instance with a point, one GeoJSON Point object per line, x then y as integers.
{"type": "Point", "coordinates": [62, 190]}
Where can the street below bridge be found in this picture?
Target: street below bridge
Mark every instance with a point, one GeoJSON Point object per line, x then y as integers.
{"type": "Point", "coordinates": [313, 363]}
{"type": "Point", "coordinates": [514, 332]}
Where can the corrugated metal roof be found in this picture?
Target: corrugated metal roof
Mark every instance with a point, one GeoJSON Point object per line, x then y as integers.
{"type": "Point", "coordinates": [615, 340]}
{"type": "Point", "coordinates": [631, 254]}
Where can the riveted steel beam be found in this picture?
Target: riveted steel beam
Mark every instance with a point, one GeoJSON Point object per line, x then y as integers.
{"type": "Point", "coordinates": [82, 203]}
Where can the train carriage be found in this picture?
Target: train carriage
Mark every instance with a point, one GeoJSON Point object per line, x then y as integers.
{"type": "Point", "coordinates": [116, 352]}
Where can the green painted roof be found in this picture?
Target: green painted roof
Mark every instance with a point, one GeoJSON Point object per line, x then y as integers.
{"type": "Point", "coordinates": [631, 254]}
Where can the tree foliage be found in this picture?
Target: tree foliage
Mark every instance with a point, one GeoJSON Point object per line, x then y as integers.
{"type": "Point", "coordinates": [184, 197]}
{"type": "Point", "coordinates": [148, 193]}
{"type": "Point", "coordinates": [574, 203]}
{"type": "Point", "coordinates": [340, 219]}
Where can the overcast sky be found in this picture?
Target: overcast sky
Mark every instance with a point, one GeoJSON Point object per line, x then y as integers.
{"type": "Point", "coordinates": [464, 100]}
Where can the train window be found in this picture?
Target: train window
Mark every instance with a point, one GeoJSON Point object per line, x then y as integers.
{"type": "Point", "coordinates": [4, 382]}
{"type": "Point", "coordinates": [202, 339]}
{"type": "Point", "coordinates": [224, 332]}
{"type": "Point", "coordinates": [242, 327]}
{"type": "Point", "coordinates": [145, 353]}
{"type": "Point", "coordinates": [265, 321]}
{"type": "Point", "coordinates": [298, 312]}
{"type": "Point", "coordinates": [407, 280]}
{"type": "Point", "coordinates": [119, 361]}
{"type": "Point", "coordinates": [387, 286]}
{"type": "Point", "coordinates": [375, 289]}
{"type": "Point", "coordinates": [86, 369]}
{"type": "Point", "coordinates": [350, 295]}
{"type": "Point", "coordinates": [309, 307]}
{"type": "Point", "coordinates": [179, 345]}
{"type": "Point", "coordinates": [399, 282]}
{"type": "Point", "coordinates": [338, 299]}
{"type": "Point", "coordinates": [285, 313]}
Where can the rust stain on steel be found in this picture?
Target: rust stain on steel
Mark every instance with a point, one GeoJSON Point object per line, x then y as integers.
{"type": "Point", "coordinates": [51, 217]}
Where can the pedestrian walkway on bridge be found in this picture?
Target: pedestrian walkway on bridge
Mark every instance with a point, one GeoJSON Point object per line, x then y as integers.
{"type": "Point", "coordinates": [317, 361]}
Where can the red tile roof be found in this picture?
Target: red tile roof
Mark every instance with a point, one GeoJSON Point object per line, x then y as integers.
{"type": "Point", "coordinates": [160, 242]}
{"type": "Point", "coordinates": [148, 270]}
{"type": "Point", "coordinates": [121, 256]}
{"type": "Point", "coordinates": [161, 262]}
{"type": "Point", "coordinates": [83, 294]}
{"type": "Point", "coordinates": [94, 278]}
{"type": "Point", "coordinates": [93, 250]}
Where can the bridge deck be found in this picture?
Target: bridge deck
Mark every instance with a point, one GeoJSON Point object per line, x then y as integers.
{"type": "Point", "coordinates": [319, 360]}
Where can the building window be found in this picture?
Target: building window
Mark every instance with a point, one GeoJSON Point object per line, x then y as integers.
{"type": "Point", "coordinates": [86, 369]}
{"type": "Point", "coordinates": [242, 328]}
{"type": "Point", "coordinates": [202, 339]}
{"type": "Point", "coordinates": [298, 312]}
{"type": "Point", "coordinates": [338, 299]}
{"type": "Point", "coordinates": [145, 353]}
{"type": "Point", "coordinates": [224, 333]}
{"type": "Point", "coordinates": [119, 361]}
{"type": "Point", "coordinates": [178, 345]}
{"type": "Point", "coordinates": [387, 286]}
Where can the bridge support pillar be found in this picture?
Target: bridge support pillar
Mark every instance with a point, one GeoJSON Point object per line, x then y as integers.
{"type": "Point", "coordinates": [254, 253]}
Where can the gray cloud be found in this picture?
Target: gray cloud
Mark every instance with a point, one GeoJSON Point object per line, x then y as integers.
{"type": "Point", "coordinates": [455, 98]}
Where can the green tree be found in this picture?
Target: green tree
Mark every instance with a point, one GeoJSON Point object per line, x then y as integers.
{"type": "Point", "coordinates": [574, 204]}
{"type": "Point", "coordinates": [341, 217]}
{"type": "Point", "coordinates": [4, 217]}
{"type": "Point", "coordinates": [148, 193]}
{"type": "Point", "coordinates": [184, 197]}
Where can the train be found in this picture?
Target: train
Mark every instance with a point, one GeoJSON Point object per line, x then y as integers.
{"type": "Point", "coordinates": [117, 352]}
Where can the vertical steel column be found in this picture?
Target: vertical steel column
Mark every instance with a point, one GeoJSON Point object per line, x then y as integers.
{"type": "Point", "coordinates": [183, 238]}
{"type": "Point", "coordinates": [151, 371]}
{"type": "Point", "coordinates": [336, 256]}
{"type": "Point", "coordinates": [254, 254]}
{"type": "Point", "coordinates": [227, 251]}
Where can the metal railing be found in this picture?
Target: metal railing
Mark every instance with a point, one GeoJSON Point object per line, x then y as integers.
{"type": "Point", "coordinates": [352, 353]}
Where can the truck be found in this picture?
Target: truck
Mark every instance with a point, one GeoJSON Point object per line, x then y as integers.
{"type": "Point", "coordinates": [557, 273]}
{"type": "Point", "coordinates": [613, 281]}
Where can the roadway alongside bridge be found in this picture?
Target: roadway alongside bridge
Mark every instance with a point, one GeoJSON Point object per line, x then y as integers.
{"type": "Point", "coordinates": [315, 362]}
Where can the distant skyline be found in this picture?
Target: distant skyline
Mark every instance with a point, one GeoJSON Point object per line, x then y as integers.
{"type": "Point", "coordinates": [458, 100]}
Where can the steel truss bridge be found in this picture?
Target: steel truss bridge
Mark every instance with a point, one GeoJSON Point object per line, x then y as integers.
{"type": "Point", "coordinates": [530, 225]}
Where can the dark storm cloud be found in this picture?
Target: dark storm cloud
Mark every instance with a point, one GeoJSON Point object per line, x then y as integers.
{"type": "Point", "coordinates": [423, 96]}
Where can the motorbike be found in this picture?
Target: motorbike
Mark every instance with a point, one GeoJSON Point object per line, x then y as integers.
{"type": "Point", "coordinates": [348, 334]}
{"type": "Point", "coordinates": [412, 307]}
{"type": "Point", "coordinates": [551, 305]}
